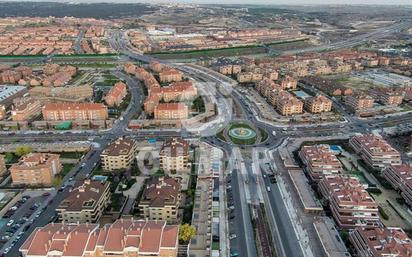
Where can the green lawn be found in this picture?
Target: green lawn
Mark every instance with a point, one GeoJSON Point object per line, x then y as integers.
{"type": "Point", "coordinates": [244, 50]}
{"type": "Point", "coordinates": [66, 169]}
{"type": "Point", "coordinates": [242, 141]}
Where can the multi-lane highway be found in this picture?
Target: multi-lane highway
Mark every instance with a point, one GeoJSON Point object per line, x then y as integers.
{"type": "Point", "coordinates": [358, 40]}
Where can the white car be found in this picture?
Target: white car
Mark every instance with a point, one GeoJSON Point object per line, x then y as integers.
{"type": "Point", "coordinates": [232, 236]}
{"type": "Point", "coordinates": [10, 223]}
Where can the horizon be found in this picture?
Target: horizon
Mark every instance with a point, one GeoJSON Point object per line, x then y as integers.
{"type": "Point", "coordinates": [237, 2]}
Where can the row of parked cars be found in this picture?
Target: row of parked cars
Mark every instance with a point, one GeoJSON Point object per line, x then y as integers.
{"type": "Point", "coordinates": [14, 225]}
{"type": "Point", "coordinates": [231, 206]}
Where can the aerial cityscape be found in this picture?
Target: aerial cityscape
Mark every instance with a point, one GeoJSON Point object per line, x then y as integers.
{"type": "Point", "coordinates": [199, 129]}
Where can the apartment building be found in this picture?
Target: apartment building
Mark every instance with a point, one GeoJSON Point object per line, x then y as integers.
{"type": "Point", "coordinates": [289, 106]}
{"type": "Point", "coordinates": [288, 82]}
{"type": "Point", "coordinates": [62, 94]}
{"type": "Point", "coordinates": [350, 204]}
{"type": "Point", "coordinates": [2, 112]}
{"type": "Point", "coordinates": [375, 151]}
{"type": "Point", "coordinates": [10, 77]}
{"type": "Point", "coordinates": [3, 168]}
{"type": "Point", "coordinates": [358, 102]}
{"type": "Point", "coordinates": [380, 242]}
{"type": "Point", "coordinates": [161, 199]}
{"type": "Point", "coordinates": [36, 169]}
{"type": "Point", "coordinates": [388, 96]}
{"type": "Point", "coordinates": [328, 86]}
{"type": "Point", "coordinates": [174, 156]}
{"type": "Point", "coordinates": [400, 177]}
{"type": "Point", "coordinates": [74, 111]}
{"type": "Point", "coordinates": [170, 75]}
{"type": "Point", "coordinates": [25, 108]}
{"type": "Point", "coordinates": [85, 202]}
{"type": "Point", "coordinates": [320, 161]}
{"type": "Point", "coordinates": [318, 104]}
{"type": "Point", "coordinates": [156, 66]}
{"type": "Point", "coordinates": [125, 237]}
{"type": "Point", "coordinates": [116, 94]}
{"type": "Point", "coordinates": [171, 111]}
{"type": "Point", "coordinates": [119, 155]}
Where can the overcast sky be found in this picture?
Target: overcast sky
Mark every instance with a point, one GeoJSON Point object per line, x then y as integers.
{"type": "Point", "coordinates": [274, 2]}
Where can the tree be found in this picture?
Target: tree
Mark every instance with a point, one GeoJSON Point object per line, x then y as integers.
{"type": "Point", "coordinates": [22, 150]}
{"type": "Point", "coordinates": [9, 157]}
{"type": "Point", "coordinates": [186, 232]}
{"type": "Point", "coordinates": [57, 181]}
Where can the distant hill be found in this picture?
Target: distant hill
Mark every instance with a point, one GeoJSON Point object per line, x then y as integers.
{"type": "Point", "coordinates": [83, 10]}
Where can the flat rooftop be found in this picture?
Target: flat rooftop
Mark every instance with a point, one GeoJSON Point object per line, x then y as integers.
{"type": "Point", "coordinates": [329, 237]}
{"type": "Point", "coordinates": [306, 194]}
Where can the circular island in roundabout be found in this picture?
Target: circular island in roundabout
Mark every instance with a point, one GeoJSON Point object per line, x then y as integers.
{"type": "Point", "coordinates": [242, 133]}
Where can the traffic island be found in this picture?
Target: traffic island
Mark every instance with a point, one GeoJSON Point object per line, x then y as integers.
{"type": "Point", "coordinates": [242, 133]}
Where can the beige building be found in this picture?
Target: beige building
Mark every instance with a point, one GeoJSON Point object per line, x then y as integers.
{"type": "Point", "coordinates": [400, 177]}
{"type": "Point", "coordinates": [289, 106]}
{"type": "Point", "coordinates": [75, 111]}
{"type": "Point", "coordinates": [320, 161]}
{"type": "Point", "coordinates": [170, 75]}
{"type": "Point", "coordinates": [2, 112]}
{"type": "Point", "coordinates": [119, 155]}
{"type": "Point", "coordinates": [350, 204]}
{"type": "Point", "coordinates": [161, 199]}
{"type": "Point", "coordinates": [25, 108]}
{"type": "Point", "coordinates": [381, 242]}
{"type": "Point", "coordinates": [36, 169]}
{"type": "Point", "coordinates": [358, 102]}
{"type": "Point", "coordinates": [318, 104]}
{"type": "Point", "coordinates": [3, 168]}
{"type": "Point", "coordinates": [171, 111]}
{"type": "Point", "coordinates": [85, 203]}
{"type": "Point", "coordinates": [375, 151]}
{"type": "Point", "coordinates": [174, 156]}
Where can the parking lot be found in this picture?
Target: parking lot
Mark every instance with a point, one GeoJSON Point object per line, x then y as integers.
{"type": "Point", "coordinates": [17, 220]}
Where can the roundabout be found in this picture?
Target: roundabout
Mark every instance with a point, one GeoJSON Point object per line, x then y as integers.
{"type": "Point", "coordinates": [242, 133]}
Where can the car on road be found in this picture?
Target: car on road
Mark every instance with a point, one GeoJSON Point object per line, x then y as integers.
{"type": "Point", "coordinates": [268, 189]}
{"type": "Point", "coordinates": [46, 194]}
{"type": "Point", "coordinates": [10, 223]}
{"type": "Point", "coordinates": [233, 253]}
{"type": "Point", "coordinates": [232, 236]}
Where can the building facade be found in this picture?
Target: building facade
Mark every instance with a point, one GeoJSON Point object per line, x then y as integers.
{"type": "Point", "coordinates": [25, 108]}
{"type": "Point", "coordinates": [123, 238]}
{"type": "Point", "coordinates": [320, 161]}
{"type": "Point", "coordinates": [171, 111]}
{"type": "Point", "coordinates": [380, 242]}
{"type": "Point", "coordinates": [350, 204]}
{"type": "Point", "coordinates": [400, 177]}
{"type": "Point", "coordinates": [174, 156]}
{"type": "Point", "coordinates": [74, 111]}
{"type": "Point", "coordinates": [119, 155]}
{"type": "Point", "coordinates": [85, 203]}
{"type": "Point", "coordinates": [161, 199]}
{"type": "Point", "coordinates": [318, 104]}
{"type": "Point", "coordinates": [375, 151]}
{"type": "Point", "coordinates": [36, 169]}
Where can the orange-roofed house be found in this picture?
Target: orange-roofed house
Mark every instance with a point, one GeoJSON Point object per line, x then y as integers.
{"type": "Point", "coordinates": [170, 75]}
{"type": "Point", "coordinates": [350, 203]}
{"type": "Point", "coordinates": [381, 242]}
{"type": "Point", "coordinates": [116, 94]}
{"type": "Point", "coordinates": [123, 238]}
{"type": "Point", "coordinates": [75, 111]}
{"type": "Point", "coordinates": [171, 111]}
